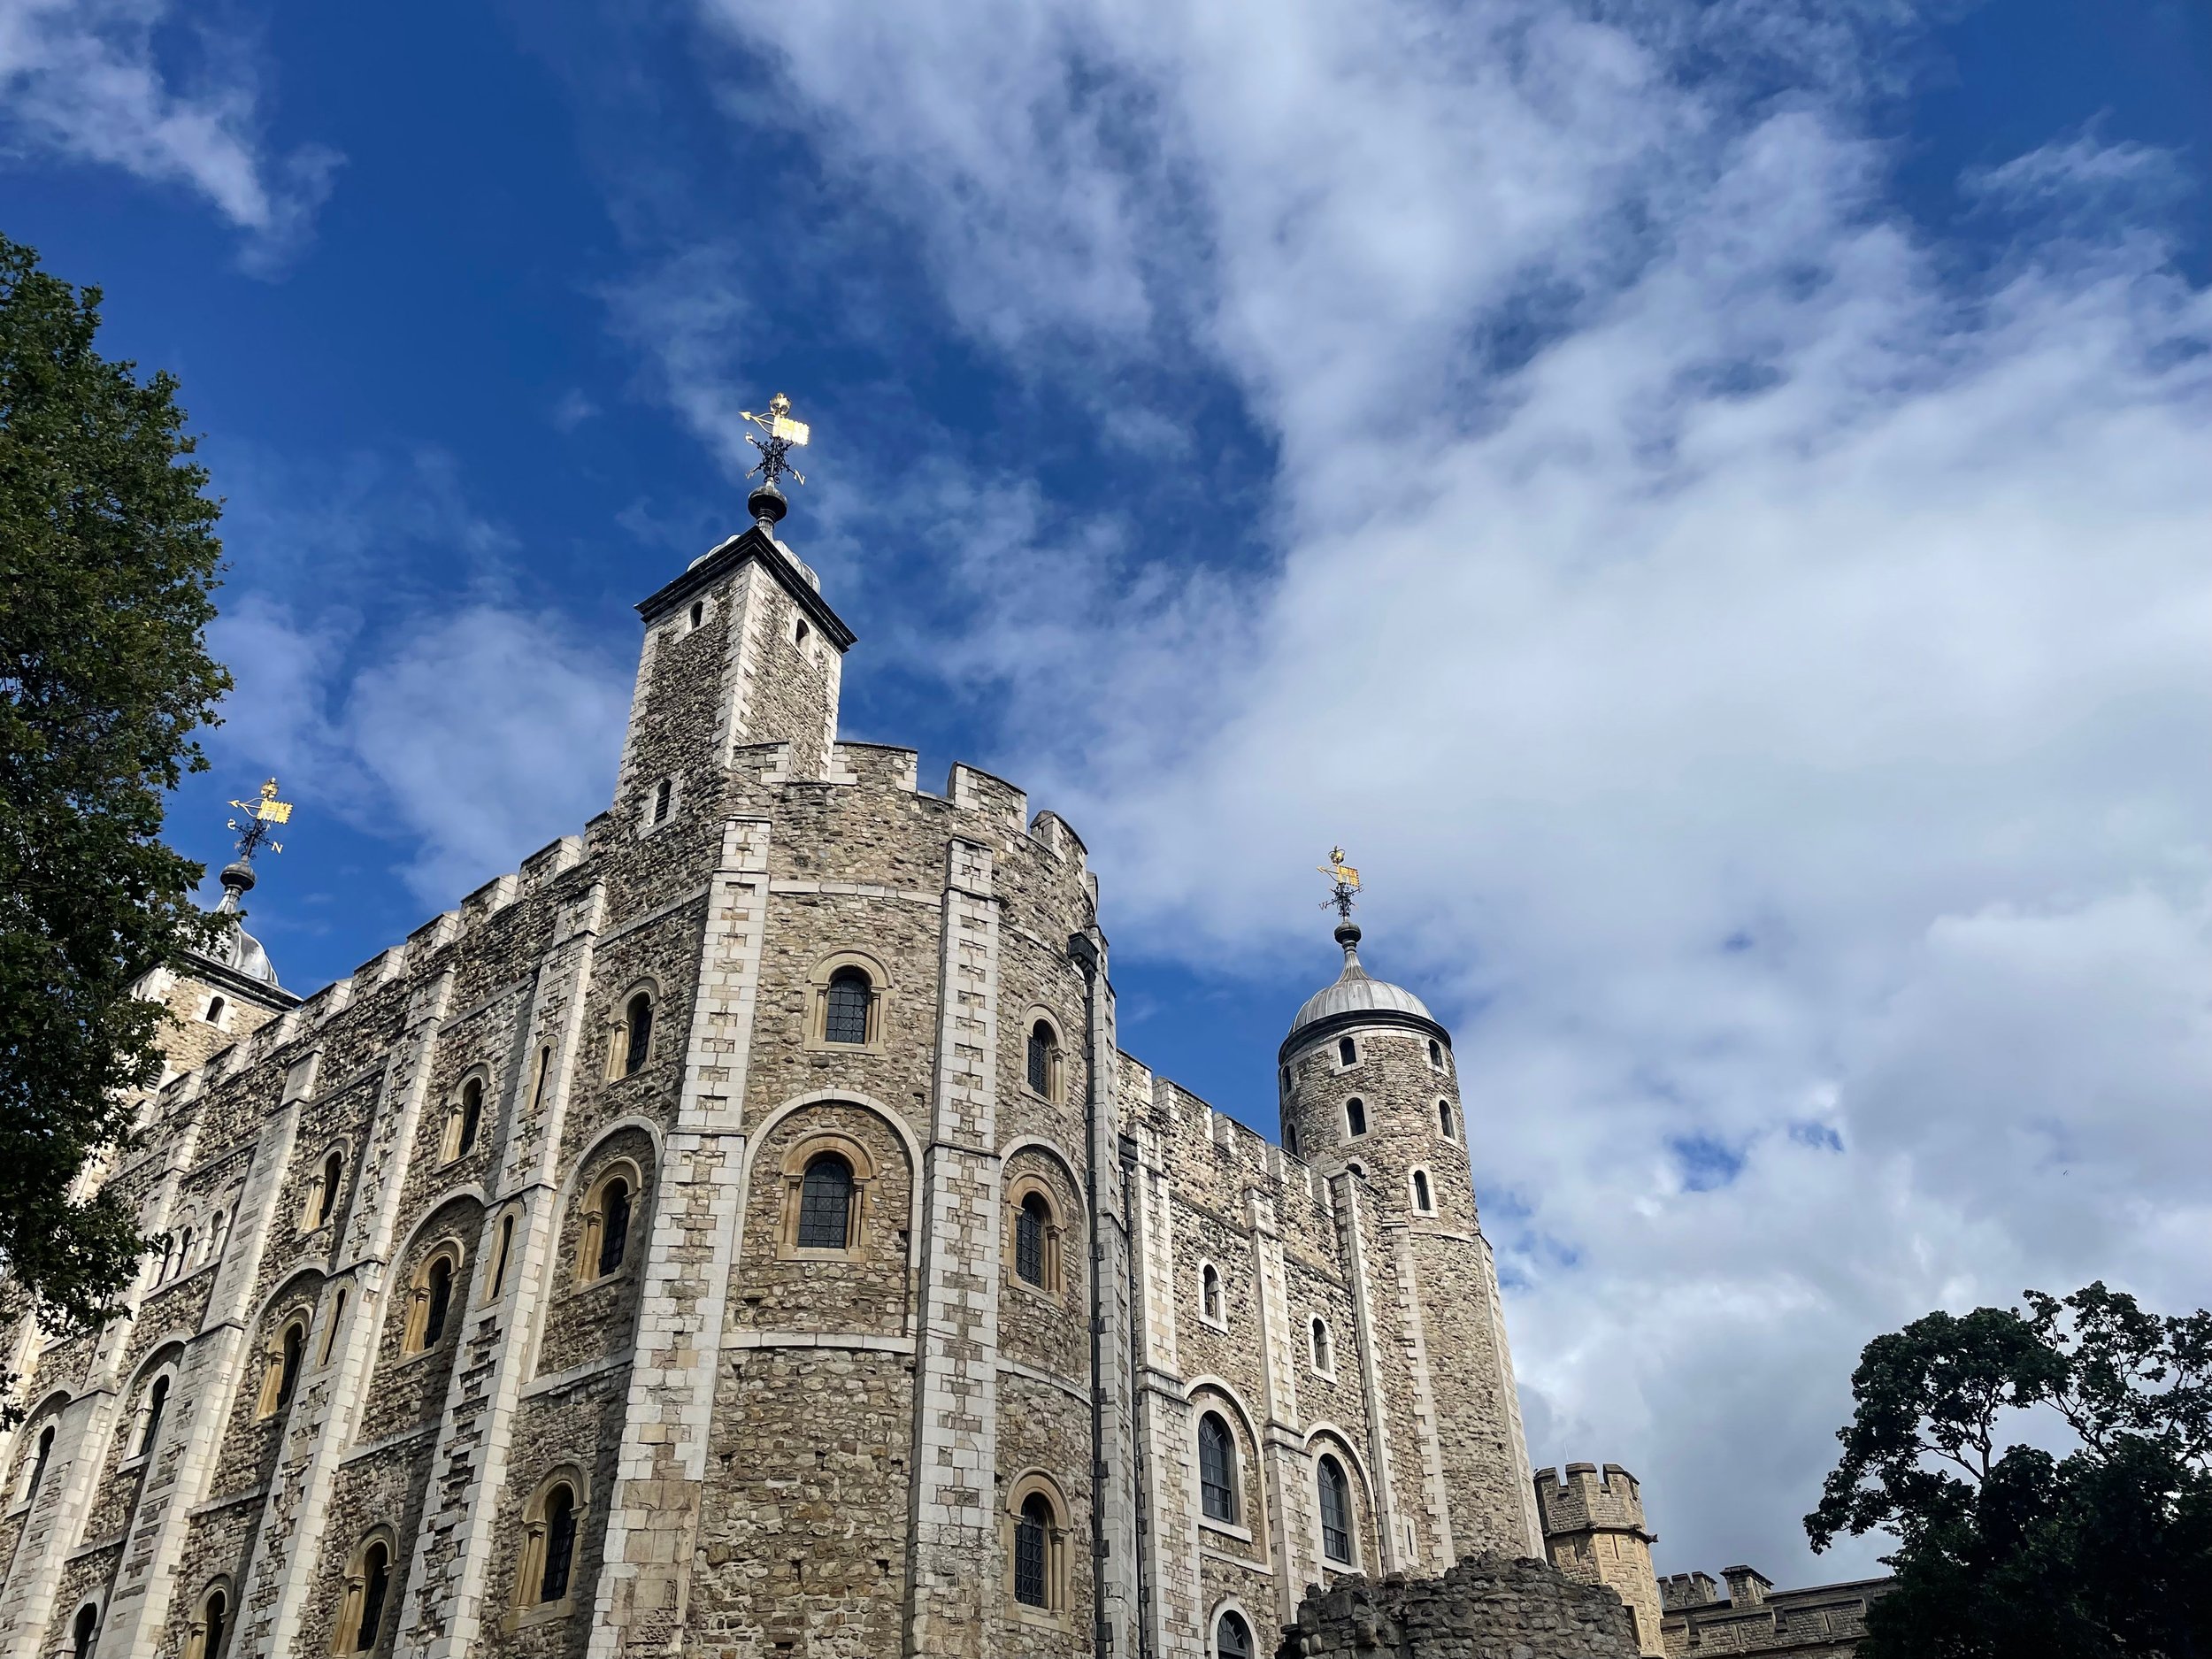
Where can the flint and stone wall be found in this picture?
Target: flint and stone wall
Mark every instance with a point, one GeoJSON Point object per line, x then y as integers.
{"type": "Point", "coordinates": [773, 1448]}
{"type": "Point", "coordinates": [1487, 1607]}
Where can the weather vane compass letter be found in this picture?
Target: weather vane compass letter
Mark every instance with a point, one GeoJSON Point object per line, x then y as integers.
{"type": "Point", "coordinates": [262, 814]}
{"type": "Point", "coordinates": [781, 435]}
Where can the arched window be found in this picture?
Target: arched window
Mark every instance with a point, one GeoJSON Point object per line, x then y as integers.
{"type": "Point", "coordinates": [826, 1203]}
{"type": "Point", "coordinates": [799, 632]}
{"type": "Point", "coordinates": [468, 1117]}
{"type": "Point", "coordinates": [1336, 1511]}
{"type": "Point", "coordinates": [1032, 1223]}
{"type": "Point", "coordinates": [1324, 1359]}
{"type": "Point", "coordinates": [437, 1298]}
{"type": "Point", "coordinates": [1217, 1469]}
{"type": "Point", "coordinates": [84, 1630]}
{"type": "Point", "coordinates": [374, 1587]}
{"type": "Point", "coordinates": [205, 1639]}
{"type": "Point", "coordinates": [283, 1373]}
{"type": "Point", "coordinates": [36, 1472]}
{"type": "Point", "coordinates": [326, 1189]}
{"type": "Point", "coordinates": [1044, 1060]}
{"type": "Point", "coordinates": [1290, 1139]}
{"type": "Point", "coordinates": [212, 1242]}
{"type": "Point", "coordinates": [1033, 1545]}
{"type": "Point", "coordinates": [335, 1323]}
{"type": "Point", "coordinates": [184, 1249]}
{"type": "Point", "coordinates": [168, 1260]}
{"type": "Point", "coordinates": [1421, 1200]}
{"type": "Point", "coordinates": [157, 1398]}
{"type": "Point", "coordinates": [637, 1025]}
{"type": "Point", "coordinates": [506, 1243]}
{"type": "Point", "coordinates": [698, 611]}
{"type": "Point", "coordinates": [1436, 1054]}
{"type": "Point", "coordinates": [560, 1543]}
{"type": "Point", "coordinates": [1358, 1169]}
{"type": "Point", "coordinates": [664, 797]}
{"type": "Point", "coordinates": [1354, 1118]}
{"type": "Point", "coordinates": [1286, 1080]}
{"type": "Point", "coordinates": [614, 1227]}
{"type": "Point", "coordinates": [1209, 1304]}
{"type": "Point", "coordinates": [1444, 1118]}
{"type": "Point", "coordinates": [215, 1006]}
{"type": "Point", "coordinates": [846, 1006]}
{"type": "Point", "coordinates": [1232, 1637]}
{"type": "Point", "coordinates": [1347, 1051]}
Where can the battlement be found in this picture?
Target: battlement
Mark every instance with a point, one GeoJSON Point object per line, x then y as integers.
{"type": "Point", "coordinates": [1688, 1590]}
{"type": "Point", "coordinates": [1587, 1500]}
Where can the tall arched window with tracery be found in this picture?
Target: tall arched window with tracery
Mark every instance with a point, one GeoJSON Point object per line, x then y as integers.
{"type": "Point", "coordinates": [1217, 1469]}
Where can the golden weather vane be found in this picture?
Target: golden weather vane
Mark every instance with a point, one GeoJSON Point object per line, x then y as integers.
{"type": "Point", "coordinates": [262, 813]}
{"type": "Point", "coordinates": [1343, 884]}
{"type": "Point", "coordinates": [785, 434]}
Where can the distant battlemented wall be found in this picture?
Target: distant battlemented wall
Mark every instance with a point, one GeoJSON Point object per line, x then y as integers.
{"type": "Point", "coordinates": [1595, 1532]}
{"type": "Point", "coordinates": [1488, 1607]}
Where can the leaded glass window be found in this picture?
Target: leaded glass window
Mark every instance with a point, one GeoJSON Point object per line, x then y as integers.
{"type": "Point", "coordinates": [845, 1010]}
{"type": "Point", "coordinates": [1336, 1512]}
{"type": "Point", "coordinates": [1217, 1469]}
{"type": "Point", "coordinates": [1029, 1240]}
{"type": "Point", "coordinates": [1033, 1530]}
{"type": "Point", "coordinates": [825, 1204]}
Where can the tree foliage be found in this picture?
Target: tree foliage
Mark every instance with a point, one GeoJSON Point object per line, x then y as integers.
{"type": "Point", "coordinates": [108, 552]}
{"type": "Point", "coordinates": [2019, 1550]}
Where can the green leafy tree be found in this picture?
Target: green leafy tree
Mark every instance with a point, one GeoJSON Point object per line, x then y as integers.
{"type": "Point", "coordinates": [2102, 1547]}
{"type": "Point", "coordinates": [107, 554]}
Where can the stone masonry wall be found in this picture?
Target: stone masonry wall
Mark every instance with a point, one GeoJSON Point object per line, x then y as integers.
{"type": "Point", "coordinates": [1487, 1607]}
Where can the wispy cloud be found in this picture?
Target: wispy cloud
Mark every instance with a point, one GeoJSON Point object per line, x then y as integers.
{"type": "Point", "coordinates": [1760, 669]}
{"type": "Point", "coordinates": [84, 79]}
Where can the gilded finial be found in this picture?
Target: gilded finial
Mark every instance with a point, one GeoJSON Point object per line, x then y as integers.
{"type": "Point", "coordinates": [1343, 885]}
{"type": "Point", "coordinates": [263, 813]}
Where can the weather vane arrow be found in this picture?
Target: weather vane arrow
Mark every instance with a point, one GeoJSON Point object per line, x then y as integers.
{"type": "Point", "coordinates": [778, 435]}
{"type": "Point", "coordinates": [1343, 884]}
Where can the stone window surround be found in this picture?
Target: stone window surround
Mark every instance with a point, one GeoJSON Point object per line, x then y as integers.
{"type": "Point", "coordinates": [1212, 1321]}
{"type": "Point", "coordinates": [1447, 1119]}
{"type": "Point", "coordinates": [1226, 1605]}
{"type": "Point", "coordinates": [1328, 1441]}
{"type": "Point", "coordinates": [269, 1403]}
{"type": "Point", "coordinates": [1418, 1179]}
{"type": "Point", "coordinates": [592, 1220]}
{"type": "Point", "coordinates": [1058, 1611]}
{"type": "Point", "coordinates": [616, 1025]}
{"type": "Point", "coordinates": [347, 1624]}
{"type": "Point", "coordinates": [525, 1609]}
{"type": "Point", "coordinates": [1337, 1061]}
{"type": "Point", "coordinates": [46, 1418]}
{"type": "Point", "coordinates": [311, 1217]}
{"type": "Point", "coordinates": [134, 1447]}
{"type": "Point", "coordinates": [195, 1630]}
{"type": "Point", "coordinates": [449, 1148]}
{"type": "Point", "coordinates": [809, 1144]}
{"type": "Point", "coordinates": [1020, 1188]}
{"type": "Point", "coordinates": [648, 798]}
{"type": "Point", "coordinates": [1056, 1073]}
{"type": "Point", "coordinates": [879, 991]}
{"type": "Point", "coordinates": [450, 1248]}
{"type": "Point", "coordinates": [1367, 1123]}
{"type": "Point", "coordinates": [1317, 1351]}
{"type": "Point", "coordinates": [1210, 1397]}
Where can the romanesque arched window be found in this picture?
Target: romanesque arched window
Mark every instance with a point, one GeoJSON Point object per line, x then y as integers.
{"type": "Point", "coordinates": [549, 1549]}
{"type": "Point", "coordinates": [465, 1119]}
{"type": "Point", "coordinates": [1354, 1118]}
{"type": "Point", "coordinates": [1436, 1054]}
{"type": "Point", "coordinates": [36, 1472]}
{"type": "Point", "coordinates": [1211, 1306]}
{"type": "Point", "coordinates": [210, 1624]}
{"type": "Point", "coordinates": [281, 1374]}
{"type": "Point", "coordinates": [368, 1587]}
{"type": "Point", "coordinates": [1232, 1637]}
{"type": "Point", "coordinates": [1290, 1139]}
{"type": "Point", "coordinates": [431, 1300]}
{"type": "Point", "coordinates": [322, 1196]}
{"type": "Point", "coordinates": [1044, 1059]}
{"type": "Point", "coordinates": [1444, 1118]}
{"type": "Point", "coordinates": [1335, 1490]}
{"type": "Point", "coordinates": [637, 1032]}
{"type": "Point", "coordinates": [1217, 1469]}
{"type": "Point", "coordinates": [1421, 1200]}
{"type": "Point", "coordinates": [1031, 1222]}
{"type": "Point", "coordinates": [846, 1005]}
{"type": "Point", "coordinates": [150, 1425]}
{"type": "Point", "coordinates": [825, 1204]}
{"type": "Point", "coordinates": [1324, 1356]}
{"type": "Point", "coordinates": [215, 1007]}
{"type": "Point", "coordinates": [603, 1243]}
{"type": "Point", "coordinates": [1032, 1535]}
{"type": "Point", "coordinates": [82, 1632]}
{"type": "Point", "coordinates": [1347, 1051]}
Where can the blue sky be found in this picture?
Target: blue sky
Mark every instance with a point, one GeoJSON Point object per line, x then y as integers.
{"type": "Point", "coordinates": [1708, 502]}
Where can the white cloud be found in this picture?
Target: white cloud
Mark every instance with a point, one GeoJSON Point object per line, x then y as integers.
{"type": "Point", "coordinates": [83, 77]}
{"type": "Point", "coordinates": [1762, 678]}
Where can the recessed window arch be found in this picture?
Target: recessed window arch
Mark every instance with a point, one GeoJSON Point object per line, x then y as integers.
{"type": "Point", "coordinates": [84, 1630]}
{"type": "Point", "coordinates": [1043, 1059]}
{"type": "Point", "coordinates": [281, 1369]}
{"type": "Point", "coordinates": [609, 1214]}
{"type": "Point", "coordinates": [1424, 1199]}
{"type": "Point", "coordinates": [1323, 1347]}
{"type": "Point", "coordinates": [35, 1469]}
{"type": "Point", "coordinates": [216, 1008]}
{"type": "Point", "coordinates": [1290, 1139]}
{"type": "Point", "coordinates": [211, 1623]}
{"type": "Point", "coordinates": [1436, 1054]}
{"type": "Point", "coordinates": [547, 1563]}
{"type": "Point", "coordinates": [324, 1191]}
{"type": "Point", "coordinates": [1358, 1169]}
{"type": "Point", "coordinates": [631, 1044]}
{"type": "Point", "coordinates": [1212, 1305]}
{"type": "Point", "coordinates": [465, 1117]}
{"type": "Point", "coordinates": [1333, 1487]}
{"type": "Point", "coordinates": [1354, 1118]}
{"type": "Point", "coordinates": [664, 800]}
{"type": "Point", "coordinates": [1232, 1637]}
{"type": "Point", "coordinates": [1218, 1469]}
{"type": "Point", "coordinates": [846, 1005]}
{"type": "Point", "coordinates": [368, 1592]}
{"type": "Point", "coordinates": [827, 1178]}
{"type": "Point", "coordinates": [1444, 1118]}
{"type": "Point", "coordinates": [430, 1298]}
{"type": "Point", "coordinates": [698, 611]}
{"type": "Point", "coordinates": [211, 1240]}
{"type": "Point", "coordinates": [849, 995]}
{"type": "Point", "coordinates": [799, 632]}
{"type": "Point", "coordinates": [1037, 1545]}
{"type": "Point", "coordinates": [1347, 1051]}
{"type": "Point", "coordinates": [147, 1430]}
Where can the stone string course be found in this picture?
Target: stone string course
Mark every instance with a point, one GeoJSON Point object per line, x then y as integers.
{"type": "Point", "coordinates": [773, 1450]}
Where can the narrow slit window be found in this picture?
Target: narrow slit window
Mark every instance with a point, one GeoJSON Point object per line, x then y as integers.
{"type": "Point", "coordinates": [156, 1397]}
{"type": "Point", "coordinates": [1347, 1051]}
{"type": "Point", "coordinates": [1421, 1191]}
{"type": "Point", "coordinates": [614, 1226]}
{"type": "Point", "coordinates": [81, 1635]}
{"type": "Point", "coordinates": [214, 1625]}
{"type": "Point", "coordinates": [638, 1033]}
{"type": "Point", "coordinates": [215, 1006]}
{"type": "Point", "coordinates": [1355, 1116]}
{"type": "Point", "coordinates": [698, 611]}
{"type": "Point", "coordinates": [376, 1586]}
{"type": "Point", "coordinates": [1322, 1360]}
{"type": "Point", "coordinates": [326, 1201]}
{"type": "Point", "coordinates": [499, 1262]}
{"type": "Point", "coordinates": [664, 797]}
{"type": "Point", "coordinates": [472, 1116]}
{"type": "Point", "coordinates": [288, 1362]}
{"type": "Point", "coordinates": [1209, 1292]}
{"type": "Point", "coordinates": [437, 1299]}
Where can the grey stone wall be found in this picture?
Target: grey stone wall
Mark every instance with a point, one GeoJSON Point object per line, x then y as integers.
{"type": "Point", "coordinates": [1487, 1607]}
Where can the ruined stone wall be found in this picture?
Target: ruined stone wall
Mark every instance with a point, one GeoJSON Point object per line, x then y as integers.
{"type": "Point", "coordinates": [1487, 1607]}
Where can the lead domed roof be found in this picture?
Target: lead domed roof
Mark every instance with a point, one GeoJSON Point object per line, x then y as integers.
{"type": "Point", "coordinates": [1358, 991]}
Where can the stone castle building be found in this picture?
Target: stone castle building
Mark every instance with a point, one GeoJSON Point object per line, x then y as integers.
{"type": "Point", "coordinates": [738, 1232]}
